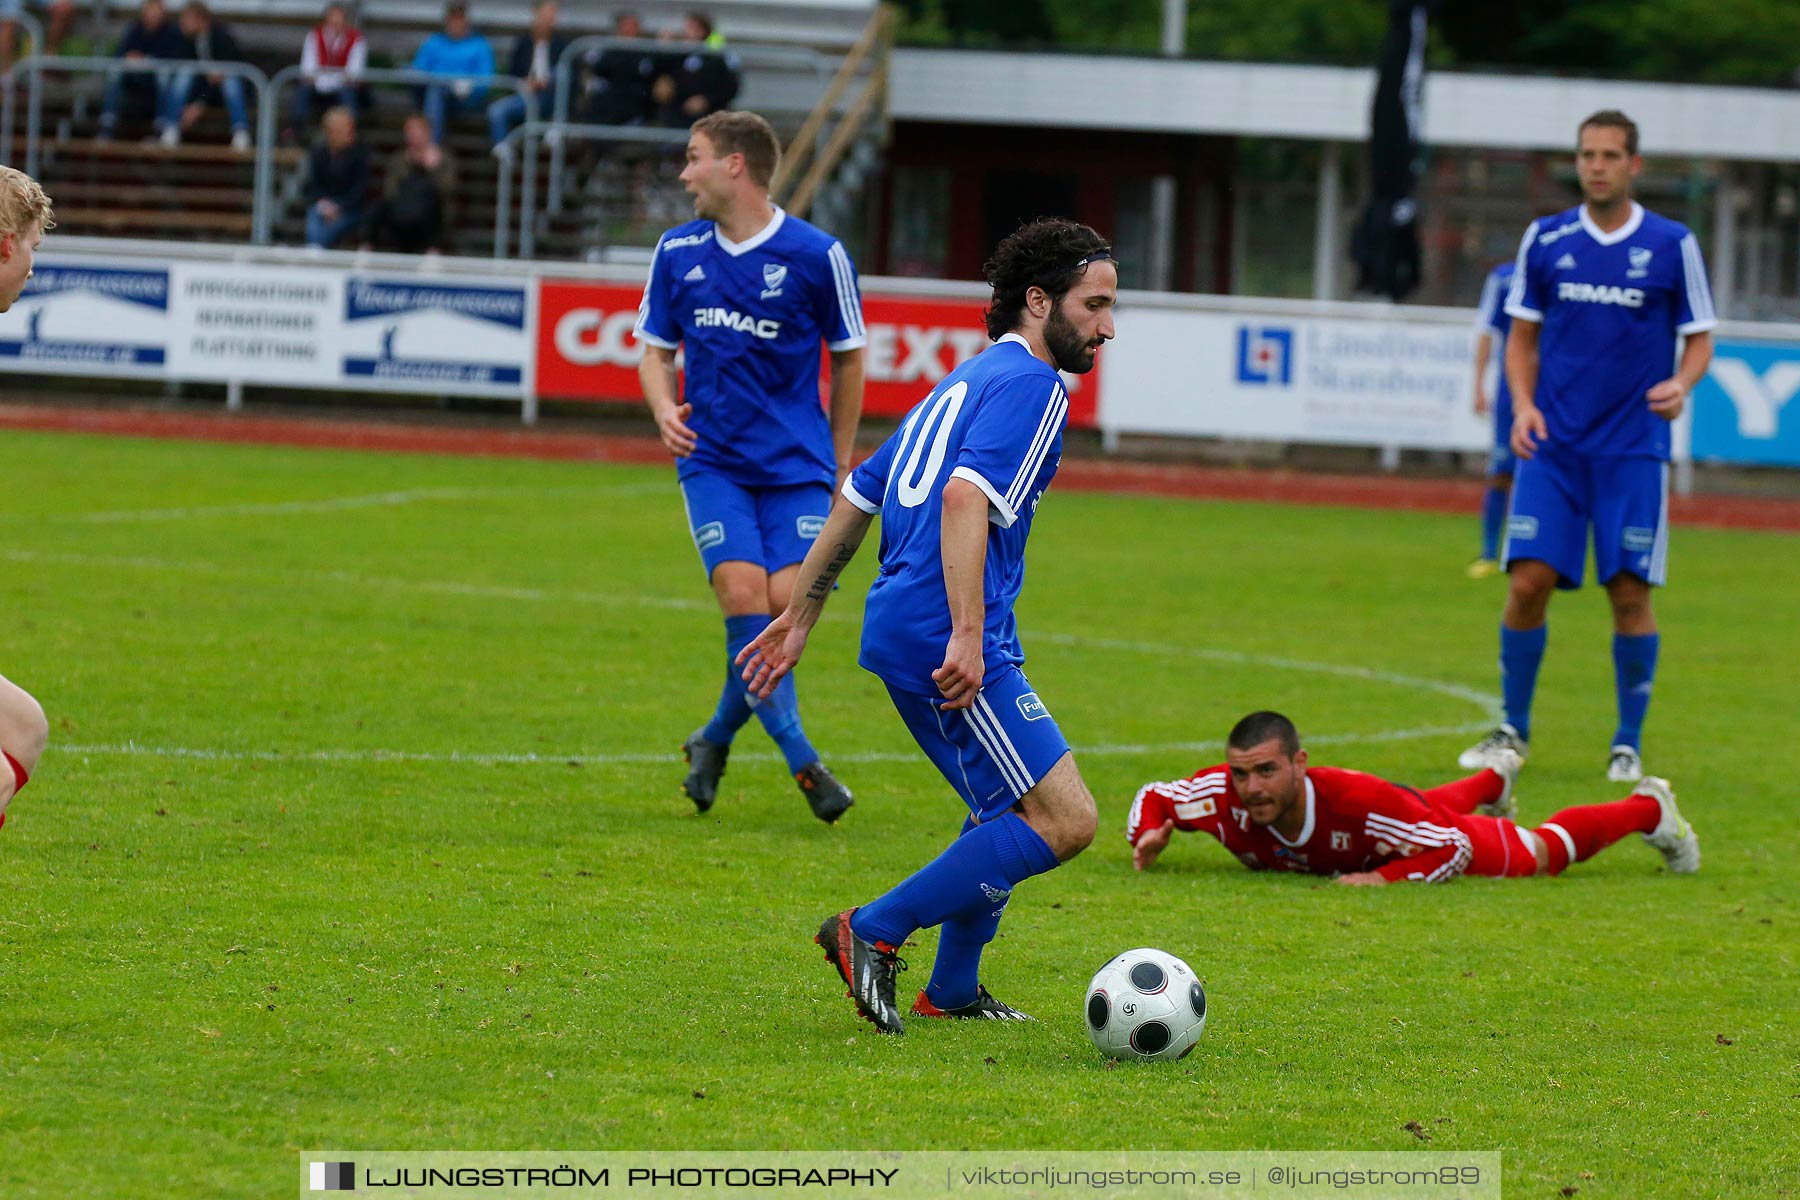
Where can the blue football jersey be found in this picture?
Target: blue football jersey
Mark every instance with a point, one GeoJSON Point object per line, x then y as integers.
{"type": "Point", "coordinates": [1611, 306]}
{"type": "Point", "coordinates": [750, 316]}
{"type": "Point", "coordinates": [996, 421]}
{"type": "Point", "coordinates": [1490, 317]}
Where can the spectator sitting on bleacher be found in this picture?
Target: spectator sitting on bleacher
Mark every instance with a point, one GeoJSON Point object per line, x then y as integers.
{"type": "Point", "coordinates": [456, 51]}
{"type": "Point", "coordinates": [534, 58]}
{"type": "Point", "coordinates": [332, 59]}
{"type": "Point", "coordinates": [618, 87]}
{"type": "Point", "coordinates": [415, 192]}
{"type": "Point", "coordinates": [211, 42]}
{"type": "Point", "coordinates": [337, 181]}
{"type": "Point", "coordinates": [62, 19]}
{"type": "Point", "coordinates": [152, 35]}
{"type": "Point", "coordinates": [691, 84]}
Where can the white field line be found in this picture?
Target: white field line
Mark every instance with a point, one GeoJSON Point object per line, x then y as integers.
{"type": "Point", "coordinates": [1482, 701]}
{"type": "Point", "coordinates": [1121, 750]}
{"type": "Point", "coordinates": [285, 508]}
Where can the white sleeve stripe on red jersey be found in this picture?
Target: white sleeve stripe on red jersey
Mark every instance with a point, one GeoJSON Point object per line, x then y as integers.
{"type": "Point", "coordinates": [1190, 787]}
{"type": "Point", "coordinates": [1429, 836]}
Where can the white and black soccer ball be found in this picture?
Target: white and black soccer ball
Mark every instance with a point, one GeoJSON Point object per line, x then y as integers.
{"type": "Point", "coordinates": [1146, 1004]}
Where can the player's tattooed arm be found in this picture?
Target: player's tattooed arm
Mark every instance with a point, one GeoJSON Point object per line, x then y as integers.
{"type": "Point", "coordinates": [840, 558]}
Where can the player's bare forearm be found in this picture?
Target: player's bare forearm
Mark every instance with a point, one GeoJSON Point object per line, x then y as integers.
{"type": "Point", "coordinates": [831, 552]}
{"type": "Point", "coordinates": [963, 547]}
{"type": "Point", "coordinates": [656, 376]}
{"type": "Point", "coordinates": [1522, 361]}
{"type": "Point", "coordinates": [1669, 397]}
{"type": "Point", "coordinates": [847, 377]}
{"type": "Point", "coordinates": [1484, 346]}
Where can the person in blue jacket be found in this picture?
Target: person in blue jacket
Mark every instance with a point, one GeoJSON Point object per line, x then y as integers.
{"type": "Point", "coordinates": [463, 55]}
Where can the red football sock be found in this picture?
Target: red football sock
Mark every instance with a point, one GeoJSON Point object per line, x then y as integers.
{"type": "Point", "coordinates": [1463, 796]}
{"type": "Point", "coordinates": [1577, 834]}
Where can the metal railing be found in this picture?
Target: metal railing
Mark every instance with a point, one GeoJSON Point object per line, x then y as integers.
{"type": "Point", "coordinates": [527, 137]}
{"type": "Point", "coordinates": [35, 63]}
{"type": "Point", "coordinates": [267, 115]}
{"type": "Point", "coordinates": [34, 93]}
{"type": "Point", "coordinates": [759, 57]}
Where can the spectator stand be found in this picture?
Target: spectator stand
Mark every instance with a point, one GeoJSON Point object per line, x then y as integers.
{"type": "Point", "coordinates": [30, 66]}
{"type": "Point", "coordinates": [269, 114]}
{"type": "Point", "coordinates": [123, 187]}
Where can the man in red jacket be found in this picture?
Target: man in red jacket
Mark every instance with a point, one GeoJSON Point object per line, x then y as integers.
{"type": "Point", "coordinates": [1265, 805]}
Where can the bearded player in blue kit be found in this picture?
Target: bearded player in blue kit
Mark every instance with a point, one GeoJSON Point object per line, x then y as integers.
{"type": "Point", "coordinates": [1599, 297]}
{"type": "Point", "coordinates": [956, 487]}
{"type": "Point", "coordinates": [749, 292]}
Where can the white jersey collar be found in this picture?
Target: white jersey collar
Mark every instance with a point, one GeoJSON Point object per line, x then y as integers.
{"type": "Point", "coordinates": [1306, 831]}
{"type": "Point", "coordinates": [754, 240]}
{"type": "Point", "coordinates": [1019, 338]}
{"type": "Point", "coordinates": [1618, 235]}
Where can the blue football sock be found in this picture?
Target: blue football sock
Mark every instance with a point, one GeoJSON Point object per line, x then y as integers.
{"type": "Point", "coordinates": [1634, 673]}
{"type": "Point", "coordinates": [780, 715]}
{"type": "Point", "coordinates": [974, 874]}
{"type": "Point", "coordinates": [1493, 520]}
{"type": "Point", "coordinates": [956, 972]}
{"type": "Point", "coordinates": [1521, 653]}
{"type": "Point", "coordinates": [734, 701]}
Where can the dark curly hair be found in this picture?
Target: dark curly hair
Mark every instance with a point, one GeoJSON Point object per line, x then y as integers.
{"type": "Point", "coordinates": [1051, 253]}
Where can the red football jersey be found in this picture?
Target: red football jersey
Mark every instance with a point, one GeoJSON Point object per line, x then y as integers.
{"type": "Point", "coordinates": [1354, 822]}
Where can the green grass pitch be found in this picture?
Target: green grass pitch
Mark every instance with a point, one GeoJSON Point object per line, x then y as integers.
{"type": "Point", "coordinates": [361, 827]}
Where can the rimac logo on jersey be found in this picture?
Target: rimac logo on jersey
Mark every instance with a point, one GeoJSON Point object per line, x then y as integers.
{"type": "Point", "coordinates": [774, 274]}
{"type": "Point", "coordinates": [1600, 293]}
{"type": "Point", "coordinates": [1031, 708]}
{"type": "Point", "coordinates": [725, 318]}
{"type": "Point", "coordinates": [1265, 355]}
{"type": "Point", "coordinates": [1640, 262]}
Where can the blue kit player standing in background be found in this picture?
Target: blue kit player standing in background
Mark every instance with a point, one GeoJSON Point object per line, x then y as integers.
{"type": "Point", "coordinates": [1600, 296]}
{"type": "Point", "coordinates": [749, 292]}
{"type": "Point", "coordinates": [1491, 323]}
{"type": "Point", "coordinates": [956, 487]}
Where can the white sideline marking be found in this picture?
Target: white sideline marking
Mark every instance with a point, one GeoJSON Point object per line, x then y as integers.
{"type": "Point", "coordinates": [1121, 750]}
{"type": "Point", "coordinates": [1486, 703]}
{"type": "Point", "coordinates": [328, 505]}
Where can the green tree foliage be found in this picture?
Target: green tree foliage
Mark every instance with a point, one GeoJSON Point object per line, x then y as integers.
{"type": "Point", "coordinates": [1705, 41]}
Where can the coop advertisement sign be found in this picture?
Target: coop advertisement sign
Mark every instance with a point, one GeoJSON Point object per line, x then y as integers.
{"type": "Point", "coordinates": [586, 350]}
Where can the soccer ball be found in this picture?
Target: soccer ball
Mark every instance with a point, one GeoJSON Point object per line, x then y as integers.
{"type": "Point", "coordinates": [1146, 1004]}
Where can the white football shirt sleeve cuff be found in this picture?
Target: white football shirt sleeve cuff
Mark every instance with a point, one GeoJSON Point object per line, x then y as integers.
{"type": "Point", "coordinates": [1519, 312]}
{"type": "Point", "coordinates": [855, 497]}
{"type": "Point", "coordinates": [650, 339]}
{"type": "Point", "coordinates": [849, 343]}
{"type": "Point", "coordinates": [1700, 326]}
{"type": "Point", "coordinates": [1001, 513]}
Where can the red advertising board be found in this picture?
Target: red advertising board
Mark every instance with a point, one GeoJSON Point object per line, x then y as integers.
{"type": "Point", "coordinates": [586, 351]}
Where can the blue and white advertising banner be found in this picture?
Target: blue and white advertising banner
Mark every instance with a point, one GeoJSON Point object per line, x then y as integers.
{"type": "Point", "coordinates": [1294, 378]}
{"type": "Point", "coordinates": [260, 324]}
{"type": "Point", "coordinates": [87, 317]}
{"type": "Point", "coordinates": [1744, 410]}
{"type": "Point", "coordinates": [420, 333]}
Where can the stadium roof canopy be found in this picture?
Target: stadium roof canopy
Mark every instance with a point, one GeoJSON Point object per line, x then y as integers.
{"type": "Point", "coordinates": [1329, 104]}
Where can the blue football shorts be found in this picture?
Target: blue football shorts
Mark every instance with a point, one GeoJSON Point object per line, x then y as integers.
{"type": "Point", "coordinates": [772, 527]}
{"type": "Point", "coordinates": [993, 753]}
{"type": "Point", "coordinates": [1558, 496]}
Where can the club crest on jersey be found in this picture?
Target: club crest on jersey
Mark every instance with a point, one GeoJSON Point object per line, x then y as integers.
{"type": "Point", "coordinates": [1640, 262]}
{"type": "Point", "coordinates": [1340, 839]}
{"type": "Point", "coordinates": [774, 275]}
{"type": "Point", "coordinates": [1031, 708]}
